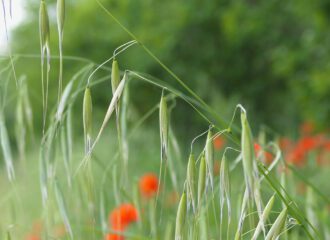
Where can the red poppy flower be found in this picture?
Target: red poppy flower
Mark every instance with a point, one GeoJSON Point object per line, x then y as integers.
{"type": "Point", "coordinates": [306, 144]}
{"type": "Point", "coordinates": [297, 156]}
{"type": "Point", "coordinates": [148, 185]}
{"type": "Point", "coordinates": [218, 142]}
{"type": "Point", "coordinates": [309, 143]}
{"type": "Point", "coordinates": [122, 216]}
{"type": "Point", "coordinates": [257, 148]}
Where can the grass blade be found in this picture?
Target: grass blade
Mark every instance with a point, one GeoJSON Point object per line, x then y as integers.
{"type": "Point", "coordinates": [6, 150]}
{"type": "Point", "coordinates": [63, 209]}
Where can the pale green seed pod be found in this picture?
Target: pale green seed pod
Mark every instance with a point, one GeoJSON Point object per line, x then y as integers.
{"type": "Point", "coordinates": [60, 15]}
{"type": "Point", "coordinates": [87, 117]}
{"type": "Point", "coordinates": [64, 101]}
{"type": "Point", "coordinates": [115, 76]}
{"type": "Point", "coordinates": [247, 153]}
{"type": "Point", "coordinates": [224, 188]}
{"type": "Point", "coordinates": [164, 126]}
{"type": "Point", "coordinates": [114, 101]}
{"type": "Point", "coordinates": [191, 181]}
{"type": "Point", "coordinates": [181, 217]}
{"type": "Point", "coordinates": [209, 156]}
{"type": "Point", "coordinates": [60, 26]}
{"type": "Point", "coordinates": [264, 218]}
{"type": "Point", "coordinates": [249, 164]}
{"type": "Point", "coordinates": [201, 180]}
{"type": "Point", "coordinates": [44, 24]}
{"type": "Point", "coordinates": [278, 225]}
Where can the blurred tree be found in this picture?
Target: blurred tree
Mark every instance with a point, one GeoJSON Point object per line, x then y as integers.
{"type": "Point", "coordinates": [271, 56]}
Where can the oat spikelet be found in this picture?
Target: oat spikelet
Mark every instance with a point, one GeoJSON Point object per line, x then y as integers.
{"type": "Point", "coordinates": [209, 157]}
{"type": "Point", "coordinates": [191, 182]}
{"type": "Point", "coordinates": [87, 119]}
{"type": "Point", "coordinates": [113, 103]}
{"type": "Point", "coordinates": [181, 217]}
{"type": "Point", "coordinates": [247, 153]}
{"type": "Point", "coordinates": [45, 49]}
{"type": "Point", "coordinates": [224, 189]}
{"type": "Point", "coordinates": [163, 124]}
{"type": "Point", "coordinates": [265, 215]}
{"type": "Point", "coordinates": [277, 226]}
{"type": "Point", "coordinates": [201, 180]}
{"type": "Point", "coordinates": [249, 164]}
{"type": "Point", "coordinates": [60, 26]}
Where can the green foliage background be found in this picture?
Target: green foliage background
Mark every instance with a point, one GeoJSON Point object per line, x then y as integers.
{"type": "Point", "coordinates": [271, 56]}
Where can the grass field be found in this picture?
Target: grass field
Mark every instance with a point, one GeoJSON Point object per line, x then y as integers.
{"type": "Point", "coordinates": [88, 172]}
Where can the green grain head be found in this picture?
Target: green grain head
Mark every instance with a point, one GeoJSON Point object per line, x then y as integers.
{"type": "Point", "coordinates": [60, 15]}
{"type": "Point", "coordinates": [247, 152]}
{"type": "Point", "coordinates": [209, 156]}
{"type": "Point", "coordinates": [115, 76]}
{"type": "Point", "coordinates": [181, 218]}
{"type": "Point", "coordinates": [191, 181]}
{"type": "Point", "coordinates": [44, 24]}
{"type": "Point", "coordinates": [87, 117]}
{"type": "Point", "coordinates": [278, 225]}
{"type": "Point", "coordinates": [164, 126]}
{"type": "Point", "coordinates": [201, 180]}
{"type": "Point", "coordinates": [264, 218]}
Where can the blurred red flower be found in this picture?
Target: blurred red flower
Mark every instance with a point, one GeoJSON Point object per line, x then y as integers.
{"type": "Point", "coordinates": [32, 237]}
{"type": "Point", "coordinates": [309, 143]}
{"type": "Point", "coordinates": [148, 185]}
{"type": "Point", "coordinates": [218, 142]}
{"type": "Point", "coordinates": [299, 152]}
{"type": "Point", "coordinates": [122, 216]}
{"type": "Point", "coordinates": [297, 156]}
